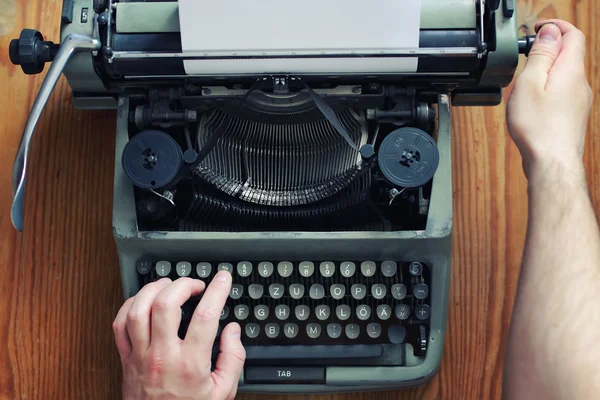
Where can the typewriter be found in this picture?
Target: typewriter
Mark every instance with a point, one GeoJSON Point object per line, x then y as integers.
{"type": "Point", "coordinates": [326, 192]}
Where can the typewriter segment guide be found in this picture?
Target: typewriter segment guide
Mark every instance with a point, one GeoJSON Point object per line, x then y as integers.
{"type": "Point", "coordinates": [326, 193]}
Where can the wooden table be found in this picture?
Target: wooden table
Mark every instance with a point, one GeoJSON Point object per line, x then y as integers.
{"type": "Point", "coordinates": [60, 285]}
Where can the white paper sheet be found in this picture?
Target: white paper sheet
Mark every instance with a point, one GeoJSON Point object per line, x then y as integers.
{"type": "Point", "coordinates": [299, 27]}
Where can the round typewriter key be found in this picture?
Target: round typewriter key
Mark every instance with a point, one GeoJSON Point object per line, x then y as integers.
{"type": "Point", "coordinates": [144, 267]}
{"type": "Point", "coordinates": [296, 291]}
{"type": "Point", "coordinates": [327, 269]}
{"type": "Point", "coordinates": [225, 267]}
{"type": "Point", "coordinates": [285, 269]}
{"type": "Point", "coordinates": [337, 291]}
{"type": "Point", "coordinates": [152, 159]}
{"type": "Point", "coordinates": [421, 291]}
{"type": "Point", "coordinates": [343, 312]}
{"type": "Point", "coordinates": [282, 312]}
{"type": "Point", "coordinates": [276, 290]}
{"type": "Point", "coordinates": [363, 312]}
{"type": "Point", "coordinates": [398, 291]}
{"type": "Point", "coordinates": [255, 291]}
{"type": "Point", "coordinates": [384, 312]}
{"type": "Point", "coordinates": [322, 312]}
{"type": "Point", "coordinates": [272, 330]}
{"type": "Point", "coordinates": [352, 331]}
{"type": "Point", "coordinates": [367, 268]}
{"type": "Point", "coordinates": [358, 291]}
{"type": "Point", "coordinates": [236, 291]}
{"type": "Point", "coordinates": [378, 291]}
{"type": "Point", "coordinates": [224, 313]}
{"type": "Point", "coordinates": [302, 313]}
{"type": "Point", "coordinates": [252, 330]}
{"type": "Point", "coordinates": [183, 269]}
{"type": "Point", "coordinates": [306, 268]}
{"type": "Point", "coordinates": [241, 311]}
{"type": "Point", "coordinates": [374, 330]}
{"type": "Point", "coordinates": [402, 311]}
{"type": "Point", "coordinates": [316, 292]}
{"type": "Point", "coordinates": [389, 268]}
{"type": "Point", "coordinates": [261, 312]}
{"type": "Point", "coordinates": [265, 269]}
{"type": "Point", "coordinates": [422, 311]}
{"type": "Point", "coordinates": [396, 334]}
{"type": "Point", "coordinates": [415, 268]}
{"type": "Point", "coordinates": [408, 157]}
{"type": "Point", "coordinates": [290, 330]}
{"type": "Point", "coordinates": [313, 330]}
{"type": "Point", "coordinates": [334, 330]}
{"type": "Point", "coordinates": [163, 268]}
{"type": "Point", "coordinates": [244, 268]}
{"type": "Point", "coordinates": [347, 269]}
{"type": "Point", "coordinates": [203, 269]}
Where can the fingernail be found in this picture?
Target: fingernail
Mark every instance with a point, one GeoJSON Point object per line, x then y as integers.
{"type": "Point", "coordinates": [222, 276]}
{"type": "Point", "coordinates": [545, 23]}
{"type": "Point", "coordinates": [235, 335]}
{"type": "Point", "coordinates": [549, 31]}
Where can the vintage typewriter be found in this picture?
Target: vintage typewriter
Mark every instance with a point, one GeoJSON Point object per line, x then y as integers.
{"type": "Point", "coordinates": [327, 194]}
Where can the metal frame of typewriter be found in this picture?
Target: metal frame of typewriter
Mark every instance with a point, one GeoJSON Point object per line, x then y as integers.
{"type": "Point", "coordinates": [431, 245]}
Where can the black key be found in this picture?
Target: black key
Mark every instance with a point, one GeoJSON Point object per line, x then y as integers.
{"type": "Point", "coordinates": [422, 311]}
{"type": "Point", "coordinates": [396, 334]}
{"type": "Point", "coordinates": [421, 291]}
{"type": "Point", "coordinates": [144, 267]}
{"type": "Point", "coordinates": [415, 268]}
{"type": "Point", "coordinates": [297, 352]}
{"type": "Point", "coordinates": [285, 375]}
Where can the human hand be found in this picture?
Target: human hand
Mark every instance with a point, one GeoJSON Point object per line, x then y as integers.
{"type": "Point", "coordinates": [550, 104]}
{"type": "Point", "coordinates": [157, 364]}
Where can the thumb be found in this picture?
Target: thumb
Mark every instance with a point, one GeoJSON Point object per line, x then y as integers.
{"type": "Point", "coordinates": [230, 361]}
{"type": "Point", "coordinates": [544, 52]}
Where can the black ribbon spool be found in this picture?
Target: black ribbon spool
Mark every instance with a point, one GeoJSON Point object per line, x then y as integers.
{"type": "Point", "coordinates": [152, 159]}
{"type": "Point", "coordinates": [408, 157]}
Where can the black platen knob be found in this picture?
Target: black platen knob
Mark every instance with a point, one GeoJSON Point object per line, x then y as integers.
{"type": "Point", "coordinates": [31, 52]}
{"type": "Point", "coordinates": [525, 44]}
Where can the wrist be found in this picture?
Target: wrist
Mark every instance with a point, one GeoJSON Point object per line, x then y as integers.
{"type": "Point", "coordinates": [566, 172]}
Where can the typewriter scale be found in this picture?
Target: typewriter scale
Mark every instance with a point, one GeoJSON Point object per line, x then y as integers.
{"type": "Point", "coordinates": [327, 196]}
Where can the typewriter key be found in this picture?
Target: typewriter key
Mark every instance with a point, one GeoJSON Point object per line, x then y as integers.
{"type": "Point", "coordinates": [152, 159]}
{"type": "Point", "coordinates": [408, 157]}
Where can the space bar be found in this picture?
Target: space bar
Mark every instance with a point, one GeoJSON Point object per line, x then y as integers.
{"type": "Point", "coordinates": [297, 352]}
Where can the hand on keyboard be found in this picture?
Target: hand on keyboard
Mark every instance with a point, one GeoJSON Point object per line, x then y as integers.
{"type": "Point", "coordinates": [550, 104]}
{"type": "Point", "coordinates": [157, 364]}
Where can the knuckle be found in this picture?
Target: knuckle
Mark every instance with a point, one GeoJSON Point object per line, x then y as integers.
{"type": "Point", "coordinates": [204, 314]}
{"type": "Point", "coordinates": [155, 363]}
{"type": "Point", "coordinates": [240, 353]}
{"type": "Point", "coordinates": [543, 50]}
{"type": "Point", "coordinates": [134, 317]}
{"type": "Point", "coordinates": [117, 326]}
{"type": "Point", "coordinates": [161, 304]}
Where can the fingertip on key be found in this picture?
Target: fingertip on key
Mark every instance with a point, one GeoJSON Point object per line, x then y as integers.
{"type": "Point", "coordinates": [223, 276]}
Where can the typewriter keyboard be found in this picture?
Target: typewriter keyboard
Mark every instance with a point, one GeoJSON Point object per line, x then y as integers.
{"type": "Point", "coordinates": [315, 303]}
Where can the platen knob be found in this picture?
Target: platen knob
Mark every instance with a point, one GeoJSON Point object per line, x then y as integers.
{"type": "Point", "coordinates": [31, 52]}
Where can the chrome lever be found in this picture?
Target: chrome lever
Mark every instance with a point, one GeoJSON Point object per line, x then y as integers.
{"type": "Point", "coordinates": [72, 43]}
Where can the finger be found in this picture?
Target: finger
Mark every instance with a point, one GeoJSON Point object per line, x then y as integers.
{"type": "Point", "coordinates": [205, 321]}
{"type": "Point", "coordinates": [543, 53]}
{"type": "Point", "coordinates": [138, 317]}
{"type": "Point", "coordinates": [573, 41]}
{"type": "Point", "coordinates": [166, 309]}
{"type": "Point", "coordinates": [120, 329]}
{"type": "Point", "coordinates": [230, 361]}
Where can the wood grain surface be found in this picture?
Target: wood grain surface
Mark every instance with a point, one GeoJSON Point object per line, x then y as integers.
{"type": "Point", "coordinates": [60, 287]}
